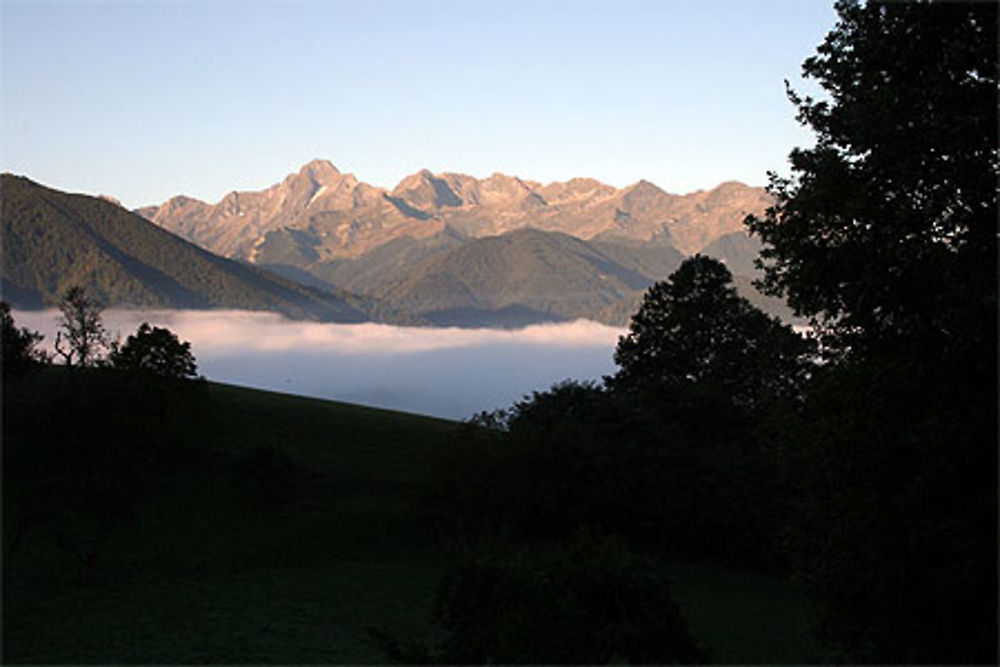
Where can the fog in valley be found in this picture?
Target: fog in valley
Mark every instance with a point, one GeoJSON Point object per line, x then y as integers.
{"type": "Point", "coordinates": [448, 372]}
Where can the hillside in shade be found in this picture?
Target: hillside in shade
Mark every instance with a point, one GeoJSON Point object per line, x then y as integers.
{"type": "Point", "coordinates": [519, 277]}
{"type": "Point", "coordinates": [53, 240]}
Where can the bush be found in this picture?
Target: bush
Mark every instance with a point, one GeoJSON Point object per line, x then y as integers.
{"type": "Point", "coordinates": [156, 351]}
{"type": "Point", "coordinates": [592, 602]}
{"type": "Point", "coordinates": [18, 346]}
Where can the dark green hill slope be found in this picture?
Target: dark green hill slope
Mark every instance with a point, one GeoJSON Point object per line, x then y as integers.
{"type": "Point", "coordinates": [514, 278]}
{"type": "Point", "coordinates": [376, 270]}
{"type": "Point", "coordinates": [226, 525]}
{"type": "Point", "coordinates": [53, 240]}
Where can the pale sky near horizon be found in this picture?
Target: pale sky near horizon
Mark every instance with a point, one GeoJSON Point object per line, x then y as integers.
{"type": "Point", "coordinates": [146, 100]}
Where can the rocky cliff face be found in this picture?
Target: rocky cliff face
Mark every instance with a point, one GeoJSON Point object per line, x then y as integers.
{"type": "Point", "coordinates": [320, 214]}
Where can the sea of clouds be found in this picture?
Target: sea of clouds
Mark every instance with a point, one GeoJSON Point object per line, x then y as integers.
{"type": "Point", "coordinates": [446, 372]}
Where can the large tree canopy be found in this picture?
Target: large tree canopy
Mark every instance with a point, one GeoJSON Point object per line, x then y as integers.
{"type": "Point", "coordinates": [694, 336]}
{"type": "Point", "coordinates": [886, 233]}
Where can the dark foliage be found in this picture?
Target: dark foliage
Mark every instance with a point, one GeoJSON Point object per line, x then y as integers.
{"type": "Point", "coordinates": [156, 351]}
{"type": "Point", "coordinates": [592, 602]}
{"type": "Point", "coordinates": [886, 237]}
{"type": "Point", "coordinates": [896, 534]}
{"type": "Point", "coordinates": [18, 345]}
{"type": "Point", "coordinates": [886, 234]}
{"type": "Point", "coordinates": [696, 346]}
{"type": "Point", "coordinates": [578, 456]}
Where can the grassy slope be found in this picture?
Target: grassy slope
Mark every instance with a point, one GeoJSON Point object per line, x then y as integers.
{"type": "Point", "coordinates": [204, 574]}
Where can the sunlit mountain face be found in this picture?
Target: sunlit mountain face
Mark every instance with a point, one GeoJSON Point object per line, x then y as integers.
{"type": "Point", "coordinates": [320, 215]}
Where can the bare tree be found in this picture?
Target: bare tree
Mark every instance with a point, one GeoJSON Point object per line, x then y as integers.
{"type": "Point", "coordinates": [82, 337]}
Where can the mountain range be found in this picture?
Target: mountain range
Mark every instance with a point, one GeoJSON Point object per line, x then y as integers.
{"type": "Point", "coordinates": [319, 214]}
{"type": "Point", "coordinates": [455, 249]}
{"type": "Point", "coordinates": [445, 249]}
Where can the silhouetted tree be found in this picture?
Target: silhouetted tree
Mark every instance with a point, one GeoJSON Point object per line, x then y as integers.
{"type": "Point", "coordinates": [695, 340]}
{"type": "Point", "coordinates": [886, 232]}
{"type": "Point", "coordinates": [82, 339]}
{"type": "Point", "coordinates": [19, 346]}
{"type": "Point", "coordinates": [157, 351]}
{"type": "Point", "coordinates": [885, 236]}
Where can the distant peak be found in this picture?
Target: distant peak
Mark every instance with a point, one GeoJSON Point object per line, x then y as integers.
{"type": "Point", "coordinates": [498, 176]}
{"type": "Point", "coordinates": [414, 179]}
{"type": "Point", "coordinates": [506, 179]}
{"type": "Point", "coordinates": [643, 186]}
{"type": "Point", "coordinates": [179, 201]}
{"type": "Point", "coordinates": [320, 171]}
{"type": "Point", "coordinates": [319, 163]}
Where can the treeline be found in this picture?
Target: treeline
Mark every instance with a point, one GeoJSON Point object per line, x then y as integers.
{"type": "Point", "coordinates": [82, 341]}
{"type": "Point", "coordinates": [861, 458]}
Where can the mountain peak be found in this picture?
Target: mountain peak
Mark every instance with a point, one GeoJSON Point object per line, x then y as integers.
{"type": "Point", "coordinates": [414, 180]}
{"type": "Point", "coordinates": [178, 202]}
{"type": "Point", "coordinates": [643, 186]}
{"type": "Point", "coordinates": [320, 171]}
{"type": "Point", "coordinates": [424, 189]}
{"type": "Point", "coordinates": [731, 186]}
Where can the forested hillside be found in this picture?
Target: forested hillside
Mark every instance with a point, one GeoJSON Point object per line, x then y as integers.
{"type": "Point", "coordinates": [54, 240]}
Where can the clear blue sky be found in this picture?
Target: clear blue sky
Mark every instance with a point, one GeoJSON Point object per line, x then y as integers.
{"type": "Point", "coordinates": [145, 100]}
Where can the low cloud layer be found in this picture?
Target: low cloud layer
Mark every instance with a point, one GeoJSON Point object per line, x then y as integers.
{"type": "Point", "coordinates": [448, 372]}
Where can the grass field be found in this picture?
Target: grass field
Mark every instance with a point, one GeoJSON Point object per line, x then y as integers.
{"type": "Point", "coordinates": [219, 565]}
